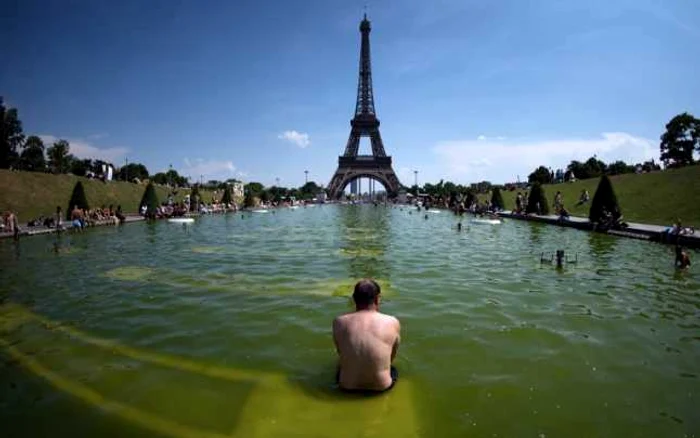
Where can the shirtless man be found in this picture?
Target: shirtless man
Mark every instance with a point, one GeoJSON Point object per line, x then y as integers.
{"type": "Point", "coordinates": [682, 258]}
{"type": "Point", "coordinates": [367, 342]}
{"type": "Point", "coordinates": [76, 217]}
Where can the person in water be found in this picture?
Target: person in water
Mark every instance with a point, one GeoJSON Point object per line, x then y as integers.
{"type": "Point", "coordinates": [367, 342]}
{"type": "Point", "coordinates": [682, 258]}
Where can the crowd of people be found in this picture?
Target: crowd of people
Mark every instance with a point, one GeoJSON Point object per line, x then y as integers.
{"type": "Point", "coordinates": [81, 218]}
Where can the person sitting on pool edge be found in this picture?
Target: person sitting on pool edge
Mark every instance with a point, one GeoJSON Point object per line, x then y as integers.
{"type": "Point", "coordinates": [367, 342]}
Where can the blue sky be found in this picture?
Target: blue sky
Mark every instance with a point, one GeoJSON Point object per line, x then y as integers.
{"type": "Point", "coordinates": [465, 90]}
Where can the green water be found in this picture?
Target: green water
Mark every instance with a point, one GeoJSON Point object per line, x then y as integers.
{"type": "Point", "coordinates": [222, 328]}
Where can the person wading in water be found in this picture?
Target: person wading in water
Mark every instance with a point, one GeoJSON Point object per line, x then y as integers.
{"type": "Point", "coordinates": [367, 342]}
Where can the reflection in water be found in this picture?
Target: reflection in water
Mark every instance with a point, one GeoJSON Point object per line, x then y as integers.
{"type": "Point", "coordinates": [365, 235]}
{"type": "Point", "coordinates": [602, 245]}
{"type": "Point", "coordinates": [536, 232]}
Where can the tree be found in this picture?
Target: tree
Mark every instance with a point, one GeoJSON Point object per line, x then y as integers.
{"type": "Point", "coordinates": [11, 136]}
{"type": "Point", "coordinates": [77, 199]}
{"type": "Point", "coordinates": [131, 171]}
{"type": "Point", "coordinates": [58, 156]}
{"type": "Point", "coordinates": [681, 139]}
{"type": "Point", "coordinates": [175, 179]}
{"type": "Point", "coordinates": [541, 175]}
{"type": "Point", "coordinates": [497, 199]}
{"type": "Point", "coordinates": [604, 199]}
{"type": "Point", "coordinates": [594, 168]}
{"type": "Point", "coordinates": [150, 200]}
{"type": "Point", "coordinates": [309, 190]}
{"type": "Point", "coordinates": [81, 167]}
{"type": "Point", "coordinates": [619, 167]}
{"type": "Point", "coordinates": [579, 169]}
{"type": "Point", "coordinates": [255, 188]}
{"type": "Point", "coordinates": [537, 202]}
{"type": "Point", "coordinates": [32, 157]}
{"type": "Point", "coordinates": [649, 166]}
{"type": "Point", "coordinates": [160, 178]}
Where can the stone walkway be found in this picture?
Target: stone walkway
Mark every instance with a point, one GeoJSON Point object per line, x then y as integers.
{"type": "Point", "coordinates": [655, 233]}
{"type": "Point", "coordinates": [35, 231]}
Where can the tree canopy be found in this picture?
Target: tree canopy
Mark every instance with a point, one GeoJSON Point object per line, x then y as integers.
{"type": "Point", "coordinates": [541, 175]}
{"type": "Point", "coordinates": [32, 157]}
{"type": "Point", "coordinates": [680, 141]}
{"type": "Point", "coordinates": [131, 171]}
{"type": "Point", "coordinates": [11, 136]}
{"type": "Point", "coordinates": [59, 156]}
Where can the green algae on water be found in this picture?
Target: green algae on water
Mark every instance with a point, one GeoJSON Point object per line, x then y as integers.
{"type": "Point", "coordinates": [208, 249]}
{"type": "Point", "coordinates": [130, 273]}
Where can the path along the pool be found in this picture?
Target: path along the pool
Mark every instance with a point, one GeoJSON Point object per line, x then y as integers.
{"type": "Point", "coordinates": [39, 230]}
{"type": "Point", "coordinates": [654, 233]}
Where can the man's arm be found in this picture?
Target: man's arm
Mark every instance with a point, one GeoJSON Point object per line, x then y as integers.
{"type": "Point", "coordinates": [336, 327]}
{"type": "Point", "coordinates": [395, 347]}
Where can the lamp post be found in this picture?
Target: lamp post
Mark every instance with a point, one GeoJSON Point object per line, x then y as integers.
{"type": "Point", "coordinates": [306, 177]}
{"type": "Point", "coordinates": [415, 174]}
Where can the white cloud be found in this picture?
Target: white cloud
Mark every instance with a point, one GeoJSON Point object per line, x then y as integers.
{"type": "Point", "coordinates": [83, 149]}
{"type": "Point", "coordinates": [300, 139]}
{"type": "Point", "coordinates": [208, 169]}
{"type": "Point", "coordinates": [498, 160]}
{"type": "Point", "coordinates": [484, 138]}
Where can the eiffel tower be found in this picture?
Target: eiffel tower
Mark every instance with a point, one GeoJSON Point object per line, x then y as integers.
{"type": "Point", "coordinates": [365, 124]}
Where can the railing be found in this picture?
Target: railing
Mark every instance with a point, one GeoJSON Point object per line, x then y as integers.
{"type": "Point", "coordinates": [364, 161]}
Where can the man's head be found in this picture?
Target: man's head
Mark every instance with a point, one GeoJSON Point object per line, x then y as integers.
{"type": "Point", "coordinates": [366, 294]}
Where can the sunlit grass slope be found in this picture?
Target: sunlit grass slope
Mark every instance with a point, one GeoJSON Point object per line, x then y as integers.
{"type": "Point", "coordinates": [32, 194]}
{"type": "Point", "coordinates": [653, 198]}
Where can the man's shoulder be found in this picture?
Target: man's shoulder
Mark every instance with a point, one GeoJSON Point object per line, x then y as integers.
{"type": "Point", "coordinates": [389, 318]}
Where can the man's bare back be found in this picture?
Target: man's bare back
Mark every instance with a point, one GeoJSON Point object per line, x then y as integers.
{"type": "Point", "coordinates": [367, 342]}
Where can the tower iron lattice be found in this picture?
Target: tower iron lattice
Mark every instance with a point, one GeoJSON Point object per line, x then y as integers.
{"type": "Point", "coordinates": [352, 166]}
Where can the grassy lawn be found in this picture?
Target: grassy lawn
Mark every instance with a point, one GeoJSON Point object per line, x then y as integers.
{"type": "Point", "coordinates": [32, 194]}
{"type": "Point", "coordinates": [652, 198]}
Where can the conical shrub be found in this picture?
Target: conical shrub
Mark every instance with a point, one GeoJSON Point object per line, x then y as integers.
{"type": "Point", "coordinates": [77, 198]}
{"type": "Point", "coordinates": [195, 198]}
{"type": "Point", "coordinates": [471, 198]}
{"type": "Point", "coordinates": [537, 201]}
{"type": "Point", "coordinates": [497, 199]}
{"type": "Point", "coordinates": [150, 200]}
{"type": "Point", "coordinates": [249, 200]}
{"type": "Point", "coordinates": [226, 198]}
{"type": "Point", "coordinates": [604, 199]}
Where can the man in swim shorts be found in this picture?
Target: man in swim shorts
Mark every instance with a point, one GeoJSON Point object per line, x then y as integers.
{"type": "Point", "coordinates": [682, 258]}
{"type": "Point", "coordinates": [367, 342]}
